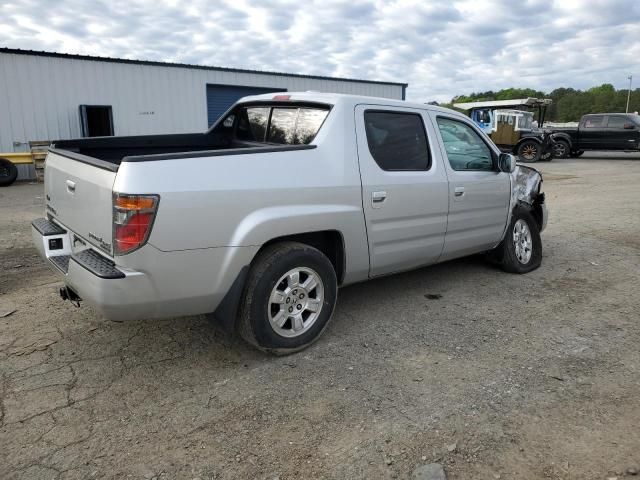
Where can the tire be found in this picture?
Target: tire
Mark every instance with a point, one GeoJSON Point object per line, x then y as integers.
{"type": "Point", "coordinates": [561, 149]}
{"type": "Point", "coordinates": [516, 260]}
{"type": "Point", "coordinates": [271, 294]}
{"type": "Point", "coordinates": [577, 154]}
{"type": "Point", "coordinates": [529, 151]}
{"type": "Point", "coordinates": [8, 172]}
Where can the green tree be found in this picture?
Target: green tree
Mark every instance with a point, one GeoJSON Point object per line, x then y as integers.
{"type": "Point", "coordinates": [568, 104]}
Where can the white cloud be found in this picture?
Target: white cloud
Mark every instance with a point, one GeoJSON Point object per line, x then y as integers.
{"type": "Point", "coordinates": [439, 48]}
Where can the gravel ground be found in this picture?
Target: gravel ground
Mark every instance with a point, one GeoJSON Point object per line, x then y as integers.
{"type": "Point", "coordinates": [489, 374]}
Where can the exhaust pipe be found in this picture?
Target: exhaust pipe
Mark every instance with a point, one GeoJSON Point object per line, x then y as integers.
{"type": "Point", "coordinates": [67, 294]}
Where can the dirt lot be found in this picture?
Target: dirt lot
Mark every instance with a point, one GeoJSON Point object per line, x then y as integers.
{"type": "Point", "coordinates": [503, 376]}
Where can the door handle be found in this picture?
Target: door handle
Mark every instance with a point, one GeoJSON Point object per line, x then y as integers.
{"type": "Point", "coordinates": [378, 198]}
{"type": "Point", "coordinates": [71, 186]}
{"type": "Point", "coordinates": [459, 191]}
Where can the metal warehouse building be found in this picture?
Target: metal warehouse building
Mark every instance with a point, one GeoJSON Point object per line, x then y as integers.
{"type": "Point", "coordinates": [50, 96]}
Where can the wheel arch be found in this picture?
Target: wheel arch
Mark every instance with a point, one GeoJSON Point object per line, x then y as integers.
{"type": "Point", "coordinates": [560, 136]}
{"type": "Point", "coordinates": [329, 242]}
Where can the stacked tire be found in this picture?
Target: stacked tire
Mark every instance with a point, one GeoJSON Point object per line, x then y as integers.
{"type": "Point", "coordinates": [8, 172]}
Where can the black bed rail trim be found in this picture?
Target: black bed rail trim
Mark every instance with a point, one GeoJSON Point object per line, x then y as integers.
{"type": "Point", "coordinates": [216, 153]}
{"type": "Point", "coordinates": [96, 162]}
{"type": "Point", "coordinates": [97, 264]}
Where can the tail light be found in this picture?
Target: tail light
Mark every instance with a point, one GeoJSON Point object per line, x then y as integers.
{"type": "Point", "coordinates": [133, 217]}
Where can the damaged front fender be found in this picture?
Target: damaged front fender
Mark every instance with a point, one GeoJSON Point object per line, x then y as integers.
{"type": "Point", "coordinates": [527, 183]}
{"type": "Point", "coordinates": [527, 194]}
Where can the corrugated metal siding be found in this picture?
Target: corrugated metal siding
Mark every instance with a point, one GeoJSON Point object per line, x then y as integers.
{"type": "Point", "coordinates": [40, 95]}
{"type": "Point", "coordinates": [221, 97]}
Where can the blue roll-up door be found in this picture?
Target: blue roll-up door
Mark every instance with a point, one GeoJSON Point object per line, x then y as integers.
{"type": "Point", "coordinates": [221, 97]}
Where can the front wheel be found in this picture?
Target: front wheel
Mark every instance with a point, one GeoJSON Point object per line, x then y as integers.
{"type": "Point", "coordinates": [521, 248]}
{"type": "Point", "coordinates": [289, 298]}
{"type": "Point", "coordinates": [529, 151]}
{"type": "Point", "coordinates": [577, 153]}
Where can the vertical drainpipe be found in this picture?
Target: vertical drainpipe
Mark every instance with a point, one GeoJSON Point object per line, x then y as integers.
{"type": "Point", "coordinates": [404, 91]}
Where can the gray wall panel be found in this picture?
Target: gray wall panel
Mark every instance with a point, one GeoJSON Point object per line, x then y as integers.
{"type": "Point", "coordinates": [40, 95]}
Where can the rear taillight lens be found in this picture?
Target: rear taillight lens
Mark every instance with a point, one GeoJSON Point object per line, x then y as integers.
{"type": "Point", "coordinates": [133, 217]}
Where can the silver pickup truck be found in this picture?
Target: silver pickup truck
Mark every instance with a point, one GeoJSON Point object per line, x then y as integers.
{"type": "Point", "coordinates": [260, 219]}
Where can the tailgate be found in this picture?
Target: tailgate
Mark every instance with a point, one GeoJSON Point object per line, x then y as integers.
{"type": "Point", "coordinates": [79, 196]}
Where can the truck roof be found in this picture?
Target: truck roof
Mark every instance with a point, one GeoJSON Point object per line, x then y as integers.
{"type": "Point", "coordinates": [343, 98]}
{"type": "Point", "coordinates": [611, 113]}
{"type": "Point", "coordinates": [516, 102]}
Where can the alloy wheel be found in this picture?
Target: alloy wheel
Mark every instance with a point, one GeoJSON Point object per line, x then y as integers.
{"type": "Point", "coordinates": [522, 241]}
{"type": "Point", "coordinates": [295, 302]}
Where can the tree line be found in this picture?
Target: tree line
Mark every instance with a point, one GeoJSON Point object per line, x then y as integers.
{"type": "Point", "coordinates": [568, 104]}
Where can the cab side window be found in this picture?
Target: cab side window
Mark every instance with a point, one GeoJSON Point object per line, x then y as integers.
{"type": "Point", "coordinates": [397, 140]}
{"type": "Point", "coordinates": [617, 121]}
{"type": "Point", "coordinates": [594, 121]}
{"type": "Point", "coordinates": [465, 148]}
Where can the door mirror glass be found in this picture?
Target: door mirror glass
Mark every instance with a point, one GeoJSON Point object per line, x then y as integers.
{"type": "Point", "coordinates": [507, 162]}
{"type": "Point", "coordinates": [629, 126]}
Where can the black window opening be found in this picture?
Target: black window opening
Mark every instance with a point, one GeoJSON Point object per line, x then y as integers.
{"type": "Point", "coordinates": [397, 140]}
{"type": "Point", "coordinates": [96, 120]}
{"type": "Point", "coordinates": [280, 125]}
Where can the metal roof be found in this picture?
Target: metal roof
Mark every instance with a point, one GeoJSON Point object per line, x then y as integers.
{"type": "Point", "coordinates": [528, 102]}
{"type": "Point", "coordinates": [18, 51]}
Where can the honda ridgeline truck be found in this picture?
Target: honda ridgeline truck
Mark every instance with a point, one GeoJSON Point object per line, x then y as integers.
{"type": "Point", "coordinates": [287, 197]}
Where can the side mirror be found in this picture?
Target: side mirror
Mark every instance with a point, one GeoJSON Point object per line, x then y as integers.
{"type": "Point", "coordinates": [629, 126]}
{"type": "Point", "coordinates": [506, 162]}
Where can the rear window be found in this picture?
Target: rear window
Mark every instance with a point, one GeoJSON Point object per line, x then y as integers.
{"type": "Point", "coordinates": [280, 125]}
{"type": "Point", "coordinates": [397, 140]}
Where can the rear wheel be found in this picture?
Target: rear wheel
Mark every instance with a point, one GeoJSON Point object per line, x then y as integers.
{"type": "Point", "coordinates": [577, 153]}
{"type": "Point", "coordinates": [289, 298]}
{"type": "Point", "coordinates": [529, 151]}
{"type": "Point", "coordinates": [8, 172]}
{"type": "Point", "coordinates": [560, 149]}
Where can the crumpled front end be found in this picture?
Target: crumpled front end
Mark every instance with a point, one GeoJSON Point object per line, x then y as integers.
{"type": "Point", "coordinates": [527, 194]}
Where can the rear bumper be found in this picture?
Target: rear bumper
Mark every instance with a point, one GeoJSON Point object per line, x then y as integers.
{"type": "Point", "coordinates": [147, 283]}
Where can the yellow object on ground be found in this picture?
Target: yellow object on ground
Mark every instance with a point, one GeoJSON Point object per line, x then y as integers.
{"type": "Point", "coordinates": [18, 158]}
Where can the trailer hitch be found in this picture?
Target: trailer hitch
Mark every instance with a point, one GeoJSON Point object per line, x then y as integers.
{"type": "Point", "coordinates": [67, 294]}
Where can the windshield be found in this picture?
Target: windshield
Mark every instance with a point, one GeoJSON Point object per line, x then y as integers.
{"type": "Point", "coordinates": [525, 122]}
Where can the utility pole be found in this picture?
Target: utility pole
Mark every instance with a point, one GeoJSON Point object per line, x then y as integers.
{"type": "Point", "coordinates": [628, 93]}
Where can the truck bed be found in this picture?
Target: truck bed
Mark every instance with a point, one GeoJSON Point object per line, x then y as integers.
{"type": "Point", "coordinates": [114, 149]}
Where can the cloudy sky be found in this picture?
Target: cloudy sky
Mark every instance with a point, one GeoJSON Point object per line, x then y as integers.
{"type": "Point", "coordinates": [441, 48]}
